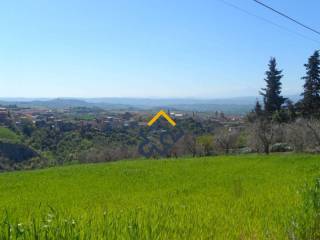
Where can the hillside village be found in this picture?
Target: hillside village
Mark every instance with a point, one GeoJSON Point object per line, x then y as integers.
{"type": "Point", "coordinates": [69, 134]}
{"type": "Point", "coordinates": [97, 119]}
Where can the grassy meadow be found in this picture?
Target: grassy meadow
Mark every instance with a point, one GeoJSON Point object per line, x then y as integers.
{"type": "Point", "coordinates": [233, 197]}
{"type": "Point", "coordinates": [8, 135]}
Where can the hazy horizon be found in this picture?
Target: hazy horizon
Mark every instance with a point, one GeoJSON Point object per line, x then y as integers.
{"type": "Point", "coordinates": [150, 97]}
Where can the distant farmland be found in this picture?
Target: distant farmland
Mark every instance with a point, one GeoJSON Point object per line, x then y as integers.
{"type": "Point", "coordinates": [236, 197]}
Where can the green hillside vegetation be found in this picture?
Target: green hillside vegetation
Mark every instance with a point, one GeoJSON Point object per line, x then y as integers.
{"type": "Point", "coordinates": [86, 117]}
{"type": "Point", "coordinates": [7, 134]}
{"type": "Point", "coordinates": [233, 197]}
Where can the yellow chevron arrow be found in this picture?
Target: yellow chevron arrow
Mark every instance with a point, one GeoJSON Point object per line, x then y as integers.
{"type": "Point", "coordinates": [163, 114]}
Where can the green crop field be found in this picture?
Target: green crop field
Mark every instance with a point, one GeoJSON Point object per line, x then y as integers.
{"type": "Point", "coordinates": [235, 197]}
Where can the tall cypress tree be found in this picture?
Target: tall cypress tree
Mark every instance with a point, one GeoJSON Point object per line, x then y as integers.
{"type": "Point", "coordinates": [272, 93]}
{"type": "Point", "coordinates": [258, 109]}
{"type": "Point", "coordinates": [311, 95]}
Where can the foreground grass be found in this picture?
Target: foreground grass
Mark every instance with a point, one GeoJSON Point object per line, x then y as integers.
{"type": "Point", "coordinates": [236, 197]}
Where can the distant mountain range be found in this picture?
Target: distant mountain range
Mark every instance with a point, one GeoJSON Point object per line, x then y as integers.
{"type": "Point", "coordinates": [238, 105]}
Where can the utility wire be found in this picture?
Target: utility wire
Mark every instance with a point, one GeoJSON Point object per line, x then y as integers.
{"type": "Point", "coordinates": [268, 21]}
{"type": "Point", "coordinates": [286, 16]}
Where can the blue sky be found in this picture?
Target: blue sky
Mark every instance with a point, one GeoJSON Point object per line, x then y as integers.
{"type": "Point", "coordinates": [150, 48]}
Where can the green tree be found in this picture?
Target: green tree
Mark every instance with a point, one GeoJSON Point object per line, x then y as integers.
{"type": "Point", "coordinates": [272, 93]}
{"type": "Point", "coordinates": [258, 109]}
{"type": "Point", "coordinates": [311, 96]}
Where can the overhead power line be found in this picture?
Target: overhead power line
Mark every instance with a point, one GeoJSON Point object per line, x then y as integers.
{"type": "Point", "coordinates": [286, 16]}
{"type": "Point", "coordinates": [268, 21]}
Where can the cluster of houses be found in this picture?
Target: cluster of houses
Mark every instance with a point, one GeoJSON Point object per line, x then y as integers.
{"type": "Point", "coordinates": [70, 119]}
{"type": "Point", "coordinates": [4, 115]}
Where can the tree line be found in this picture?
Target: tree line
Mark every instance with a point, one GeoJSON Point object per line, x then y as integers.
{"type": "Point", "coordinates": [277, 111]}
{"type": "Point", "coordinates": [275, 105]}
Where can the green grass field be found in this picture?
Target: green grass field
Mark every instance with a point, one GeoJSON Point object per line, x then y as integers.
{"type": "Point", "coordinates": [236, 197]}
{"type": "Point", "coordinates": [7, 134]}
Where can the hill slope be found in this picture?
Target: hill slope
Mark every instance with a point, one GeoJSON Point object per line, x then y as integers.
{"type": "Point", "coordinates": [238, 197]}
{"type": "Point", "coordinates": [7, 134]}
